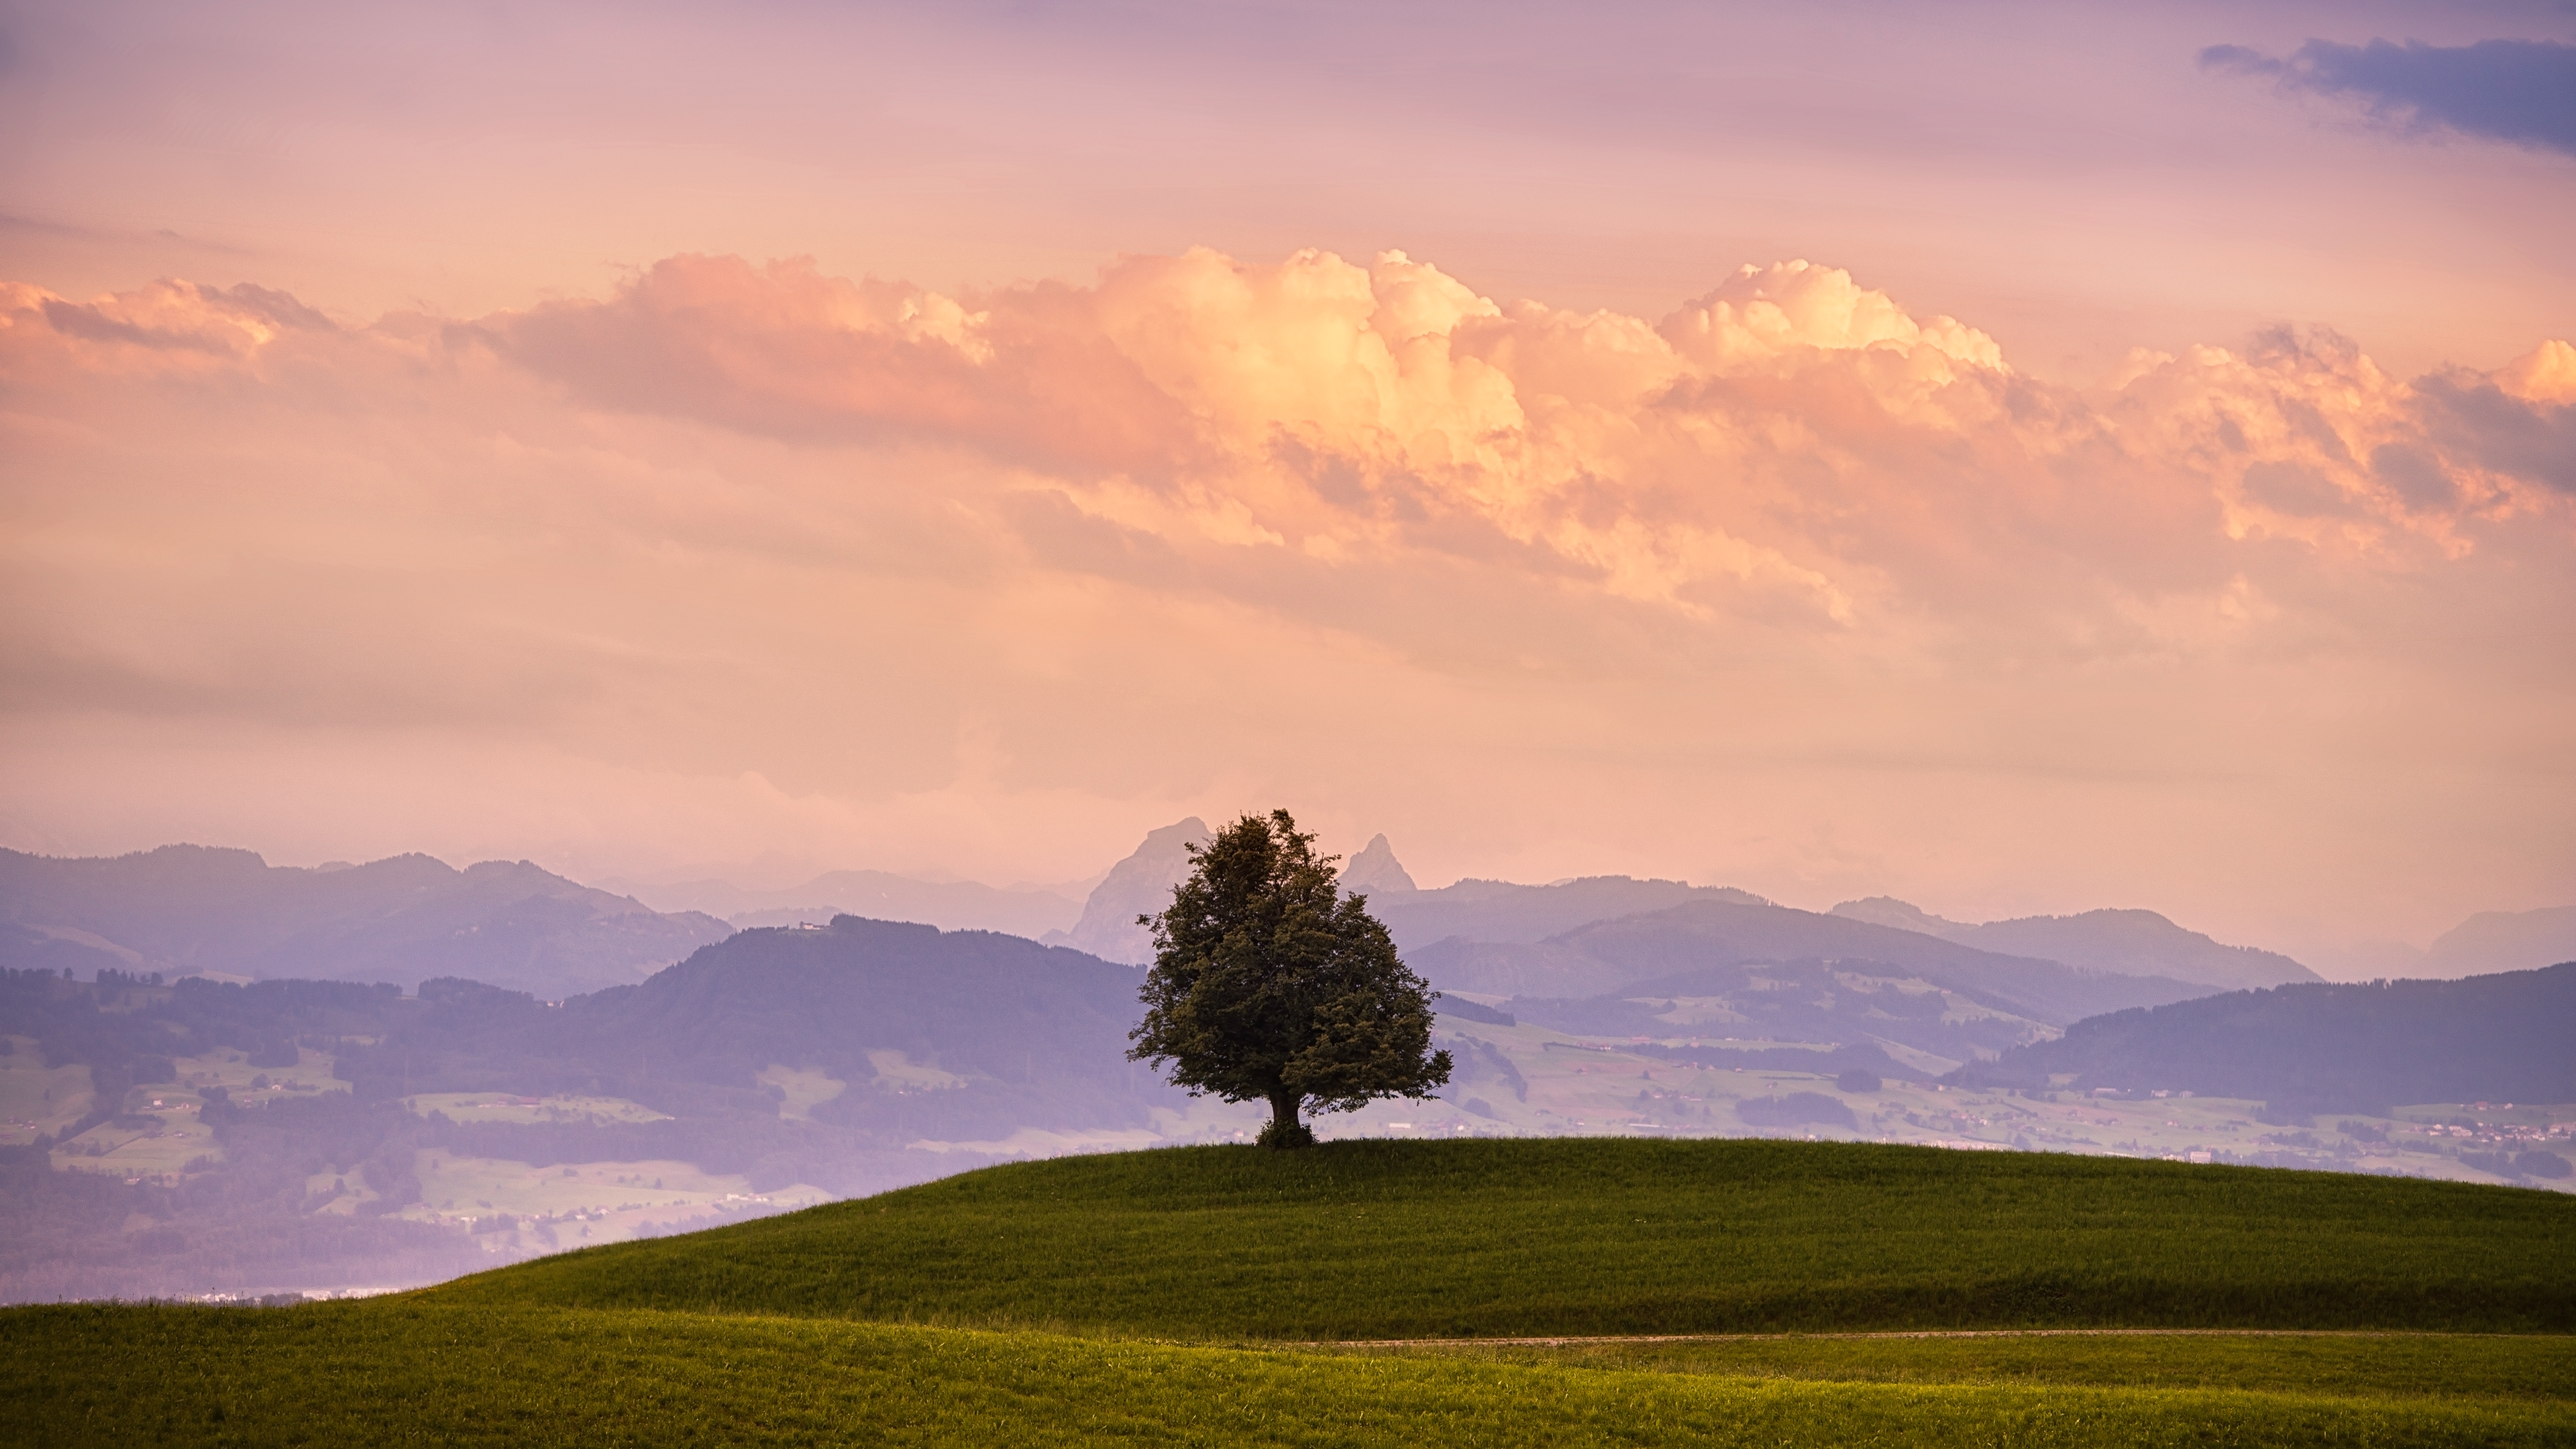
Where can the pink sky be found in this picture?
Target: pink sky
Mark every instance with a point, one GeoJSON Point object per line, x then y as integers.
{"type": "Point", "coordinates": [1976, 455]}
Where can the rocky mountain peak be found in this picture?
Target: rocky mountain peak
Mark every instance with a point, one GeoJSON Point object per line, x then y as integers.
{"type": "Point", "coordinates": [1376, 872]}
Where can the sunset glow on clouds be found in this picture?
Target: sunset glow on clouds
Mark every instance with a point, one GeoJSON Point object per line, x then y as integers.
{"type": "Point", "coordinates": [751, 549]}
{"type": "Point", "coordinates": [1787, 580]}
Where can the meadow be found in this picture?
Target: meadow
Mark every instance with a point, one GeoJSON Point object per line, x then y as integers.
{"type": "Point", "coordinates": [160, 1134]}
{"type": "Point", "coordinates": [35, 1098]}
{"type": "Point", "coordinates": [503, 1107]}
{"type": "Point", "coordinates": [1401, 1239]}
{"type": "Point", "coordinates": [413, 1371]}
{"type": "Point", "coordinates": [1232, 1296]}
{"type": "Point", "coordinates": [2538, 1368]}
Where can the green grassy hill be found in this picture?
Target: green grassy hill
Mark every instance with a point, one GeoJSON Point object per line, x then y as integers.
{"type": "Point", "coordinates": [1362, 1240]}
{"type": "Point", "coordinates": [1166, 1297]}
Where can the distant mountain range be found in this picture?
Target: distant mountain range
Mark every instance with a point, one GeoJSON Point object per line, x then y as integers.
{"type": "Point", "coordinates": [2506, 941]}
{"type": "Point", "coordinates": [2140, 943]}
{"type": "Point", "coordinates": [194, 909]}
{"type": "Point", "coordinates": [1737, 975]}
{"type": "Point", "coordinates": [1661, 953]}
{"type": "Point", "coordinates": [1498, 911]}
{"type": "Point", "coordinates": [961, 905]}
{"type": "Point", "coordinates": [2357, 1047]}
{"type": "Point", "coordinates": [1649, 957]}
{"type": "Point", "coordinates": [1653, 958]}
{"type": "Point", "coordinates": [1452, 933]}
{"type": "Point", "coordinates": [1448, 919]}
{"type": "Point", "coordinates": [2487, 942]}
{"type": "Point", "coordinates": [186, 909]}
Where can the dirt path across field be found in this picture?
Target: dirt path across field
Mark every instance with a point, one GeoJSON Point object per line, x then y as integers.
{"type": "Point", "coordinates": [1584, 1341]}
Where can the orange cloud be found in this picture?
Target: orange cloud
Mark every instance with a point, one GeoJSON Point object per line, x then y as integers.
{"type": "Point", "coordinates": [1791, 437]}
{"type": "Point", "coordinates": [1788, 580]}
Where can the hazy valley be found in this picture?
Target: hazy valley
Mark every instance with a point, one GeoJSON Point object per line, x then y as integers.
{"type": "Point", "coordinates": [225, 1077]}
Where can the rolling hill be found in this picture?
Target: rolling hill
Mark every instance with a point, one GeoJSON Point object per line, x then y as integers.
{"type": "Point", "coordinates": [1403, 1294]}
{"type": "Point", "coordinates": [950, 1034]}
{"type": "Point", "coordinates": [1498, 1239]}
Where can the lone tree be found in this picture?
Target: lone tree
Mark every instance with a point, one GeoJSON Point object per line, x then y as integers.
{"type": "Point", "coordinates": [1269, 984]}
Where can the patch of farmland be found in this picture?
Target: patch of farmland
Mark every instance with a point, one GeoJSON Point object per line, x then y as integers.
{"type": "Point", "coordinates": [509, 1107]}
{"type": "Point", "coordinates": [519, 1209]}
{"type": "Point", "coordinates": [36, 1099]}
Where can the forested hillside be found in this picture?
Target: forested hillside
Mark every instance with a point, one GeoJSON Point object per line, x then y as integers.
{"type": "Point", "coordinates": [2359, 1047]}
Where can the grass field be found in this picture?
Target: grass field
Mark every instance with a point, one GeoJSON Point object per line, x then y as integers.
{"type": "Point", "coordinates": [1394, 1239]}
{"type": "Point", "coordinates": [249, 1086]}
{"type": "Point", "coordinates": [503, 1107]}
{"type": "Point", "coordinates": [418, 1372]}
{"type": "Point", "coordinates": [800, 1090]}
{"type": "Point", "coordinates": [35, 1098]}
{"type": "Point", "coordinates": [1161, 1298]}
{"type": "Point", "coordinates": [161, 1152]}
{"type": "Point", "coordinates": [176, 1137]}
{"type": "Point", "coordinates": [2539, 1368]}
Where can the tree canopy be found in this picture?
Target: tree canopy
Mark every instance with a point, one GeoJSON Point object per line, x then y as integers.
{"type": "Point", "coordinates": [1269, 984]}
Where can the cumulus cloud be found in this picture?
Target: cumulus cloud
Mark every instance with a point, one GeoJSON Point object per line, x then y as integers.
{"type": "Point", "coordinates": [2511, 436]}
{"type": "Point", "coordinates": [1203, 529]}
{"type": "Point", "coordinates": [1791, 439]}
{"type": "Point", "coordinates": [2522, 91]}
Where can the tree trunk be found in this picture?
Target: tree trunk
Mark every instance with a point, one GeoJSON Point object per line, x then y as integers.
{"type": "Point", "coordinates": [1284, 1131]}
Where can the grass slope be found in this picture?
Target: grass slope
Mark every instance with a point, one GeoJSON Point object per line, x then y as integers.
{"type": "Point", "coordinates": [1365, 1240]}
{"type": "Point", "coordinates": [2368, 1365]}
{"type": "Point", "coordinates": [419, 1372]}
{"type": "Point", "coordinates": [745, 1335]}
